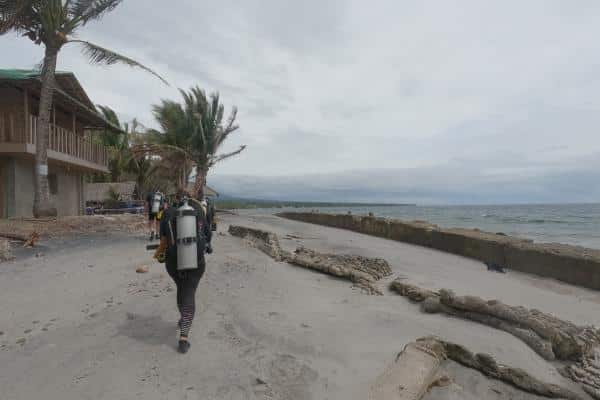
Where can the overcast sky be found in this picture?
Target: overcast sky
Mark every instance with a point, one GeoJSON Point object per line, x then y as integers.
{"type": "Point", "coordinates": [504, 94]}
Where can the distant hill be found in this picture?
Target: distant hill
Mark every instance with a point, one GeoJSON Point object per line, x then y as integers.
{"type": "Point", "coordinates": [229, 202]}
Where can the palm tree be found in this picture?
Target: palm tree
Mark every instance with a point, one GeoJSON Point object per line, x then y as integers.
{"type": "Point", "coordinates": [144, 168]}
{"type": "Point", "coordinates": [53, 23]}
{"type": "Point", "coordinates": [176, 128]}
{"type": "Point", "coordinates": [191, 134]}
{"type": "Point", "coordinates": [117, 143]}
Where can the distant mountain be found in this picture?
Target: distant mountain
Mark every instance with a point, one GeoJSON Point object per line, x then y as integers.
{"type": "Point", "coordinates": [452, 184]}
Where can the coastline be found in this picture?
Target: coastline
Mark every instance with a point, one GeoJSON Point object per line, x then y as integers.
{"type": "Point", "coordinates": [572, 264]}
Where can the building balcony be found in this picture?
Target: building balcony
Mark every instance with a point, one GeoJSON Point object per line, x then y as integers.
{"type": "Point", "coordinates": [64, 146]}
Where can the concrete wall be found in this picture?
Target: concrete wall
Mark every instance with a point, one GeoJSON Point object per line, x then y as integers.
{"type": "Point", "coordinates": [68, 199]}
{"type": "Point", "coordinates": [20, 183]}
{"type": "Point", "coordinates": [23, 187]}
{"type": "Point", "coordinates": [4, 183]}
{"type": "Point", "coordinates": [571, 264]}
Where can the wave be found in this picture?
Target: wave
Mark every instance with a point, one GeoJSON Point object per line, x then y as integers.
{"type": "Point", "coordinates": [524, 219]}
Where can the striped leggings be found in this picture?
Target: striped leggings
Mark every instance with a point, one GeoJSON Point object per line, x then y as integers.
{"type": "Point", "coordinates": [187, 283]}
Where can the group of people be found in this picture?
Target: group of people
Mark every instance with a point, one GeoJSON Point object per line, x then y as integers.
{"type": "Point", "coordinates": [162, 218]}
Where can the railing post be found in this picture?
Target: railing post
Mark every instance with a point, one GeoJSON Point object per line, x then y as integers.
{"type": "Point", "coordinates": [11, 130]}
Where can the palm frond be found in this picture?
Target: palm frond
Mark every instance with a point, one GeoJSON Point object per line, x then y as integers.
{"type": "Point", "coordinates": [18, 15]}
{"type": "Point", "coordinates": [109, 114]}
{"type": "Point", "coordinates": [100, 55]}
{"type": "Point", "coordinates": [88, 10]}
{"type": "Point", "coordinates": [9, 11]}
{"type": "Point", "coordinates": [222, 157]}
{"type": "Point", "coordinates": [158, 150]}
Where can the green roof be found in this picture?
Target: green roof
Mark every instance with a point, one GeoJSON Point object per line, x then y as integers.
{"type": "Point", "coordinates": [68, 86]}
{"type": "Point", "coordinates": [20, 74]}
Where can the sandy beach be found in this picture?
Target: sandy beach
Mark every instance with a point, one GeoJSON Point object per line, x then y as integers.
{"type": "Point", "coordinates": [77, 321]}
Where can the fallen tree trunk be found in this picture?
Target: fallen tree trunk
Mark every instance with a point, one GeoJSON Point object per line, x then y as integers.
{"type": "Point", "coordinates": [14, 236]}
{"type": "Point", "coordinates": [569, 341]}
{"type": "Point", "coordinates": [362, 271]}
{"type": "Point", "coordinates": [29, 241]}
{"type": "Point", "coordinates": [410, 375]}
{"type": "Point", "coordinates": [416, 370]}
{"type": "Point", "coordinates": [578, 347]}
{"type": "Point", "coordinates": [517, 377]}
{"type": "Point", "coordinates": [432, 305]}
{"type": "Point", "coordinates": [265, 241]}
{"type": "Point", "coordinates": [359, 270]}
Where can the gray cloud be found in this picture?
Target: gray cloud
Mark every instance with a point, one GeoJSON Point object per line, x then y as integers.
{"type": "Point", "coordinates": [487, 90]}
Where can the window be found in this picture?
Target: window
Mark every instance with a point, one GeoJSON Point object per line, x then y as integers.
{"type": "Point", "coordinates": [53, 183]}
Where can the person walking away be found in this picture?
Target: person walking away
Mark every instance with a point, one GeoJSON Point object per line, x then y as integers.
{"type": "Point", "coordinates": [155, 201]}
{"type": "Point", "coordinates": [210, 213]}
{"type": "Point", "coordinates": [186, 280]}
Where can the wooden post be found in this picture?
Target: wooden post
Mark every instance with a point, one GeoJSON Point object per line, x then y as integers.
{"type": "Point", "coordinates": [26, 112]}
{"type": "Point", "coordinates": [11, 130]}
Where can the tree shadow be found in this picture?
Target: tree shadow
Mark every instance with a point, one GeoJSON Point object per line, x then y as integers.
{"type": "Point", "coordinates": [152, 330]}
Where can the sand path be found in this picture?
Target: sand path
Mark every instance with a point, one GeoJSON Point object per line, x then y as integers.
{"type": "Point", "coordinates": [94, 329]}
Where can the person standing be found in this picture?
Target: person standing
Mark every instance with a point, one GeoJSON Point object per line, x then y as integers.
{"type": "Point", "coordinates": [186, 280]}
{"type": "Point", "coordinates": [154, 202]}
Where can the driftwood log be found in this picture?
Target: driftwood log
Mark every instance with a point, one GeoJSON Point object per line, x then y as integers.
{"type": "Point", "coordinates": [577, 347]}
{"type": "Point", "coordinates": [28, 240]}
{"type": "Point", "coordinates": [488, 366]}
{"type": "Point", "coordinates": [362, 271]}
{"type": "Point", "coordinates": [412, 373]}
{"type": "Point", "coordinates": [266, 242]}
{"type": "Point", "coordinates": [416, 370]}
{"type": "Point", "coordinates": [14, 236]}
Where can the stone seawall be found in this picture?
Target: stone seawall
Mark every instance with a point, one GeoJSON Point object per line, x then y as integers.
{"type": "Point", "coordinates": [576, 265]}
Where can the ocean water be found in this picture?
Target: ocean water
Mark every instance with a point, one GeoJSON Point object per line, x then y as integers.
{"type": "Point", "coordinates": [576, 224]}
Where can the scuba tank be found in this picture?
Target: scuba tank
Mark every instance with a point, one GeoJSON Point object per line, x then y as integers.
{"type": "Point", "coordinates": [156, 202]}
{"type": "Point", "coordinates": [187, 246]}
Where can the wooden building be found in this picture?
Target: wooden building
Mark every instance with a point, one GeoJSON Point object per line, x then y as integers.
{"type": "Point", "coordinates": [73, 151]}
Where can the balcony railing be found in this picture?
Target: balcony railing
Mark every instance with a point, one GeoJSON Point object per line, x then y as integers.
{"type": "Point", "coordinates": [60, 140]}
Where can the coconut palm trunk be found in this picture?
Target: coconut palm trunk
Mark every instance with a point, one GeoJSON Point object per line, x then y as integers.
{"type": "Point", "coordinates": [54, 24]}
{"type": "Point", "coordinates": [200, 182]}
{"type": "Point", "coordinates": [41, 199]}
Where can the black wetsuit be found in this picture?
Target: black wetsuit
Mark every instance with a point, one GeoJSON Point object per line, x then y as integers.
{"type": "Point", "coordinates": [186, 281]}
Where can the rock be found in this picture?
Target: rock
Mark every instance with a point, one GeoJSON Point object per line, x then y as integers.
{"type": "Point", "coordinates": [142, 269]}
{"type": "Point", "coordinates": [21, 341]}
